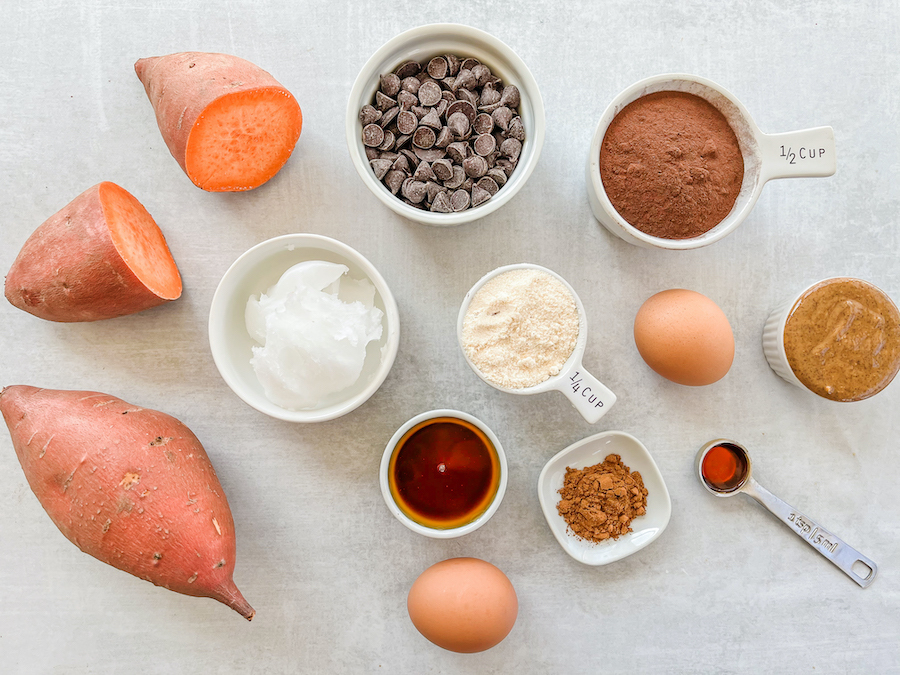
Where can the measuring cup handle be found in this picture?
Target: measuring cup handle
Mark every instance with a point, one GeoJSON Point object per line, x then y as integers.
{"type": "Point", "coordinates": [798, 153]}
{"type": "Point", "coordinates": [589, 396]}
{"type": "Point", "coordinates": [832, 547]}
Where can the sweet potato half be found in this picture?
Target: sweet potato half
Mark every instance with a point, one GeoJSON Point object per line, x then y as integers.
{"type": "Point", "coordinates": [228, 123]}
{"type": "Point", "coordinates": [99, 257]}
{"type": "Point", "coordinates": [130, 486]}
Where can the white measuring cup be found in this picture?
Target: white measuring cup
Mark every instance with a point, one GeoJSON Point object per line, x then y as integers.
{"type": "Point", "coordinates": [794, 154]}
{"type": "Point", "coordinates": [590, 397]}
{"type": "Point", "coordinates": [843, 556]}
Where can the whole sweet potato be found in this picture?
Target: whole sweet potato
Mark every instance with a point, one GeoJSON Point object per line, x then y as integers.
{"type": "Point", "coordinates": [99, 257]}
{"type": "Point", "coordinates": [228, 123]}
{"type": "Point", "coordinates": [130, 486]}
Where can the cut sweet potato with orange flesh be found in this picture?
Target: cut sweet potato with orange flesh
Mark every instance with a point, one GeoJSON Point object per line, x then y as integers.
{"type": "Point", "coordinates": [229, 124]}
{"type": "Point", "coordinates": [99, 257]}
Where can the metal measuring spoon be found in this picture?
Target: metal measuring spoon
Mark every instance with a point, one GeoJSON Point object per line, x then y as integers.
{"type": "Point", "coordinates": [731, 475]}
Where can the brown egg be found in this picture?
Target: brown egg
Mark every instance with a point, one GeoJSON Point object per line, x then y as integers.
{"type": "Point", "coordinates": [684, 337]}
{"type": "Point", "coordinates": [463, 604]}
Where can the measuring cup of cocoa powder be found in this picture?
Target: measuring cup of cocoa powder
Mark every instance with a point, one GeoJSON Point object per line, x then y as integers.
{"type": "Point", "coordinates": [684, 163]}
{"type": "Point", "coordinates": [724, 468]}
{"type": "Point", "coordinates": [523, 330]}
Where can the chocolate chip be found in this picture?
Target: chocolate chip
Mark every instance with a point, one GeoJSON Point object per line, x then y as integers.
{"type": "Point", "coordinates": [420, 111]}
{"type": "Point", "coordinates": [469, 63]}
{"type": "Point", "coordinates": [458, 151]}
{"type": "Point", "coordinates": [467, 185]}
{"type": "Point", "coordinates": [383, 102]}
{"type": "Point", "coordinates": [393, 180]}
{"type": "Point", "coordinates": [407, 69]}
{"type": "Point", "coordinates": [380, 167]}
{"type": "Point", "coordinates": [445, 138]}
{"type": "Point", "coordinates": [413, 190]}
{"type": "Point", "coordinates": [388, 143]}
{"type": "Point", "coordinates": [483, 124]}
{"type": "Point", "coordinates": [368, 115]}
{"type": "Point", "coordinates": [411, 84]}
{"type": "Point", "coordinates": [458, 178]}
{"type": "Point", "coordinates": [438, 68]}
{"type": "Point", "coordinates": [411, 157]}
{"type": "Point", "coordinates": [485, 144]}
{"type": "Point", "coordinates": [441, 203]}
{"type": "Point", "coordinates": [475, 167]}
{"type": "Point", "coordinates": [502, 117]}
{"type": "Point", "coordinates": [458, 124]}
{"type": "Point", "coordinates": [389, 156]}
{"type": "Point", "coordinates": [401, 164]}
{"type": "Point", "coordinates": [441, 107]}
{"type": "Point", "coordinates": [402, 140]}
{"type": "Point", "coordinates": [448, 96]}
{"type": "Point", "coordinates": [464, 107]}
{"type": "Point", "coordinates": [510, 97]}
{"type": "Point", "coordinates": [453, 62]}
{"type": "Point", "coordinates": [388, 116]}
{"type": "Point", "coordinates": [432, 190]}
{"type": "Point", "coordinates": [424, 138]}
{"type": "Point", "coordinates": [489, 95]}
{"type": "Point", "coordinates": [432, 120]}
{"type": "Point", "coordinates": [390, 84]}
{"type": "Point", "coordinates": [407, 122]}
{"type": "Point", "coordinates": [482, 74]}
{"type": "Point", "coordinates": [516, 129]}
{"type": "Point", "coordinates": [479, 195]}
{"type": "Point", "coordinates": [467, 95]}
{"type": "Point", "coordinates": [507, 166]}
{"type": "Point", "coordinates": [372, 153]}
{"type": "Point", "coordinates": [429, 94]}
{"type": "Point", "coordinates": [498, 175]}
{"type": "Point", "coordinates": [511, 148]}
{"type": "Point", "coordinates": [424, 173]}
{"type": "Point", "coordinates": [489, 184]}
{"type": "Point", "coordinates": [459, 200]}
{"type": "Point", "coordinates": [464, 80]}
{"type": "Point", "coordinates": [373, 135]}
{"type": "Point", "coordinates": [407, 100]}
{"type": "Point", "coordinates": [443, 169]}
{"type": "Point", "coordinates": [447, 85]}
{"type": "Point", "coordinates": [429, 154]}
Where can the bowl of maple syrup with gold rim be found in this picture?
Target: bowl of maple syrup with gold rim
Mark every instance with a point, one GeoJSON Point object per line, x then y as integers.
{"type": "Point", "coordinates": [443, 474]}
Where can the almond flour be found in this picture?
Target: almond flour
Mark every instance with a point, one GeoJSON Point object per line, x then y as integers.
{"type": "Point", "coordinates": [520, 328]}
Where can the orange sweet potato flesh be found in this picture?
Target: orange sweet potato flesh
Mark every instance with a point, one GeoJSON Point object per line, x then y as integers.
{"type": "Point", "coordinates": [99, 257]}
{"type": "Point", "coordinates": [130, 486]}
{"type": "Point", "coordinates": [230, 125]}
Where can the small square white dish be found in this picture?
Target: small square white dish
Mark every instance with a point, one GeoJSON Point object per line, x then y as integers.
{"type": "Point", "coordinates": [591, 451]}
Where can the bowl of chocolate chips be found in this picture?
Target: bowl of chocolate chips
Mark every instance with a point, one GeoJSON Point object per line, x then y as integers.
{"type": "Point", "coordinates": [445, 124]}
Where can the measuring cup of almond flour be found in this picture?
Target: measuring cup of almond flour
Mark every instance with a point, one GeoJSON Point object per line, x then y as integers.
{"type": "Point", "coordinates": [677, 162]}
{"type": "Point", "coordinates": [522, 329]}
{"type": "Point", "coordinates": [724, 469]}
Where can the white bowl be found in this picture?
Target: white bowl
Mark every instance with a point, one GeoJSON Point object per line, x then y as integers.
{"type": "Point", "coordinates": [421, 44]}
{"type": "Point", "coordinates": [809, 152]}
{"type": "Point", "coordinates": [591, 451]}
{"type": "Point", "coordinates": [254, 272]}
{"type": "Point", "coordinates": [430, 531]}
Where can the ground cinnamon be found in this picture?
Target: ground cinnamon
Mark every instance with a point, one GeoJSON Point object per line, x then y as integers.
{"type": "Point", "coordinates": [600, 501]}
{"type": "Point", "coordinates": [671, 165]}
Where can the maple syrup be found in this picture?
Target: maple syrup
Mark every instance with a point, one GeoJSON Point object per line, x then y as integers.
{"type": "Point", "coordinates": [444, 473]}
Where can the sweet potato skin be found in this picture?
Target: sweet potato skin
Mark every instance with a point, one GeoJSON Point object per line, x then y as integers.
{"type": "Point", "coordinates": [181, 86]}
{"type": "Point", "coordinates": [130, 486]}
{"type": "Point", "coordinates": [69, 269]}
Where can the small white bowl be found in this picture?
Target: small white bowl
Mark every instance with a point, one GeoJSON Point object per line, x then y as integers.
{"type": "Point", "coordinates": [253, 273]}
{"type": "Point", "coordinates": [422, 44]}
{"type": "Point", "coordinates": [591, 451]}
{"type": "Point", "coordinates": [809, 152]}
{"type": "Point", "coordinates": [435, 533]}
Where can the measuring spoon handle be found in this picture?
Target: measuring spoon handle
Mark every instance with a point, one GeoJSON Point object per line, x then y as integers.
{"type": "Point", "coordinates": [825, 542]}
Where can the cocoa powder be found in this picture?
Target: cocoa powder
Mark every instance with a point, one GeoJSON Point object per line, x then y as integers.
{"type": "Point", "coordinates": [671, 165]}
{"type": "Point", "coordinates": [600, 501]}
